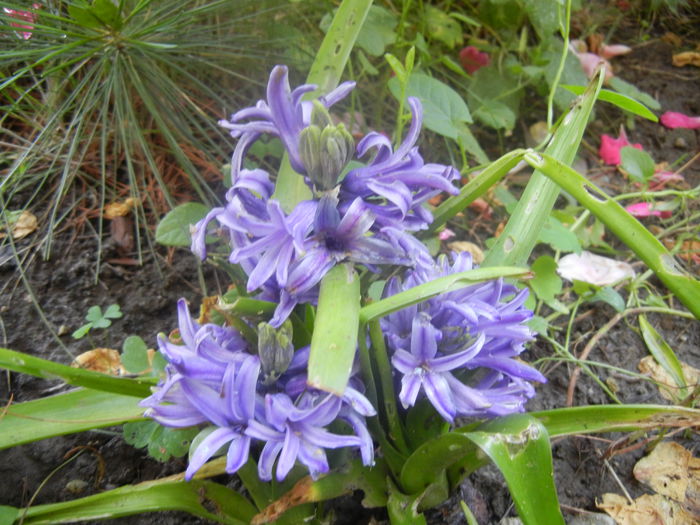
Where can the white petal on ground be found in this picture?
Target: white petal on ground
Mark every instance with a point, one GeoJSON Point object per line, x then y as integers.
{"type": "Point", "coordinates": [594, 269]}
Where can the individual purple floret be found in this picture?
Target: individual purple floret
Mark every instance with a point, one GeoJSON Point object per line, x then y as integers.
{"type": "Point", "coordinates": [214, 378]}
{"type": "Point", "coordinates": [459, 349]}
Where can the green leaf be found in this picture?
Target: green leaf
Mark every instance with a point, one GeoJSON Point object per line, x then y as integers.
{"type": "Point", "coordinates": [82, 331]}
{"type": "Point", "coordinates": [492, 89]}
{"type": "Point", "coordinates": [520, 235]}
{"type": "Point", "coordinates": [444, 111]}
{"type": "Point", "coordinates": [637, 163]}
{"type": "Point", "coordinates": [610, 296]}
{"type": "Point", "coordinates": [378, 31]}
{"type": "Point", "coordinates": [520, 448]}
{"type": "Point", "coordinates": [663, 354]}
{"type": "Point", "coordinates": [546, 284]}
{"type": "Point", "coordinates": [442, 27]}
{"type": "Point", "coordinates": [205, 499]}
{"type": "Point", "coordinates": [135, 355]}
{"type": "Point", "coordinates": [113, 312]}
{"type": "Point", "coordinates": [544, 16]}
{"type": "Point", "coordinates": [165, 442]}
{"type": "Point", "coordinates": [174, 228]}
{"type": "Point", "coordinates": [66, 413]}
{"type": "Point", "coordinates": [94, 314]}
{"type": "Point", "coordinates": [334, 340]}
{"type": "Point", "coordinates": [631, 91]}
{"type": "Point", "coordinates": [27, 364]}
{"type": "Point", "coordinates": [8, 514]}
{"type": "Point", "coordinates": [559, 237]}
{"type": "Point", "coordinates": [496, 114]}
{"type": "Point", "coordinates": [107, 12]}
{"type": "Point", "coordinates": [438, 286]}
{"type": "Point", "coordinates": [403, 508]}
{"type": "Point", "coordinates": [571, 74]}
{"type": "Point", "coordinates": [628, 229]}
{"type": "Point", "coordinates": [619, 100]}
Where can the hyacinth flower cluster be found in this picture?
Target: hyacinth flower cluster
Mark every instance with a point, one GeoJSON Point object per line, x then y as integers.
{"type": "Point", "coordinates": [249, 395]}
{"type": "Point", "coordinates": [365, 216]}
{"type": "Point", "coordinates": [459, 349]}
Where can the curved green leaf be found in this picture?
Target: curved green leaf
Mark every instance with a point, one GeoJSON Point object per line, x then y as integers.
{"type": "Point", "coordinates": [205, 499]}
{"type": "Point", "coordinates": [438, 286]}
{"type": "Point", "coordinates": [628, 229]}
{"type": "Point", "coordinates": [35, 366]}
{"type": "Point", "coordinates": [618, 99]}
{"type": "Point", "coordinates": [66, 413]}
{"type": "Point", "coordinates": [174, 228]}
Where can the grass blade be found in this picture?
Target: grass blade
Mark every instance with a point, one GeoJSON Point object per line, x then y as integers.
{"type": "Point", "coordinates": [619, 100]}
{"type": "Point", "coordinates": [663, 354]}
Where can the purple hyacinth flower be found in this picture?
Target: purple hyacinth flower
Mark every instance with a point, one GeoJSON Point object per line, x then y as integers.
{"type": "Point", "coordinates": [476, 331]}
{"type": "Point", "coordinates": [297, 432]}
{"type": "Point", "coordinates": [283, 115]}
{"type": "Point", "coordinates": [396, 184]}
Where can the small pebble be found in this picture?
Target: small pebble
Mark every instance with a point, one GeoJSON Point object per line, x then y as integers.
{"type": "Point", "coordinates": [680, 143]}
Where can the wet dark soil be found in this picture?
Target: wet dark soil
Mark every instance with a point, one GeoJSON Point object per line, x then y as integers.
{"type": "Point", "coordinates": [66, 286]}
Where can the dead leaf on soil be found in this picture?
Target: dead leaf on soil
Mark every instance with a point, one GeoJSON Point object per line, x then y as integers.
{"type": "Point", "coordinates": [672, 471]}
{"type": "Point", "coordinates": [667, 386]}
{"type": "Point", "coordinates": [25, 224]}
{"type": "Point", "coordinates": [466, 246]}
{"type": "Point", "coordinates": [672, 38]}
{"type": "Point", "coordinates": [104, 360]}
{"type": "Point", "coordinates": [645, 510]}
{"type": "Point", "coordinates": [689, 251]}
{"type": "Point", "coordinates": [119, 209]}
{"type": "Point", "coordinates": [687, 58]}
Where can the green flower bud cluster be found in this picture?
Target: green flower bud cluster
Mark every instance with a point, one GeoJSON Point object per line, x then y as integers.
{"type": "Point", "coordinates": [275, 349]}
{"type": "Point", "coordinates": [325, 149]}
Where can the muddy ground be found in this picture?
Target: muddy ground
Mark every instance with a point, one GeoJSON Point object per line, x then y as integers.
{"type": "Point", "coordinates": [65, 287]}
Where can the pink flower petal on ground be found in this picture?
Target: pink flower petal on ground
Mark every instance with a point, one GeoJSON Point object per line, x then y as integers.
{"type": "Point", "coordinates": [661, 178]}
{"type": "Point", "coordinates": [644, 209]}
{"type": "Point", "coordinates": [673, 119]}
{"type": "Point", "coordinates": [589, 63]}
{"type": "Point", "coordinates": [472, 59]}
{"type": "Point", "coordinates": [445, 234]}
{"type": "Point", "coordinates": [27, 16]}
{"type": "Point", "coordinates": [594, 269]}
{"type": "Point", "coordinates": [610, 148]}
{"type": "Point", "coordinates": [614, 50]}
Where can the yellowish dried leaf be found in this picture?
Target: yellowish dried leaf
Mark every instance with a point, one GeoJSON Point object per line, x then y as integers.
{"type": "Point", "coordinates": [667, 386]}
{"type": "Point", "coordinates": [688, 58]}
{"type": "Point", "coordinates": [645, 510]}
{"type": "Point", "coordinates": [119, 209]}
{"type": "Point", "coordinates": [466, 246]}
{"type": "Point", "coordinates": [104, 360]}
{"type": "Point", "coordinates": [25, 224]}
{"type": "Point", "coordinates": [672, 471]}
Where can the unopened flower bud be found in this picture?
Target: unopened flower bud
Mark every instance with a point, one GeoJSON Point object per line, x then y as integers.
{"type": "Point", "coordinates": [325, 149]}
{"type": "Point", "coordinates": [275, 349]}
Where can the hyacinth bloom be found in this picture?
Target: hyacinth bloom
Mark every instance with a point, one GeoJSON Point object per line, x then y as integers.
{"type": "Point", "coordinates": [214, 378]}
{"type": "Point", "coordinates": [610, 147]}
{"type": "Point", "coordinates": [364, 217]}
{"type": "Point", "coordinates": [459, 349]}
{"type": "Point", "coordinates": [673, 119]}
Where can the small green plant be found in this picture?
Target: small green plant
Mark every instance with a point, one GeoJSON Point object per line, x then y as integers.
{"type": "Point", "coordinates": [96, 318]}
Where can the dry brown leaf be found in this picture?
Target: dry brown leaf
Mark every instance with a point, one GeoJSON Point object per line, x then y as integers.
{"type": "Point", "coordinates": [646, 510]}
{"type": "Point", "coordinates": [104, 360]}
{"type": "Point", "coordinates": [672, 471]}
{"type": "Point", "coordinates": [667, 386]}
{"type": "Point", "coordinates": [119, 209]}
{"type": "Point", "coordinates": [687, 58]}
{"type": "Point", "coordinates": [466, 246]}
{"type": "Point", "coordinates": [672, 38]}
{"type": "Point", "coordinates": [25, 224]}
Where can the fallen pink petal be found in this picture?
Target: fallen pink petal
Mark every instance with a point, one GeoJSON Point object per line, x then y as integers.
{"type": "Point", "coordinates": [610, 51]}
{"type": "Point", "coordinates": [645, 209]}
{"type": "Point", "coordinates": [661, 178]}
{"type": "Point", "coordinates": [673, 119]}
{"type": "Point", "coordinates": [446, 234]}
{"type": "Point", "coordinates": [472, 59]}
{"type": "Point", "coordinates": [610, 147]}
{"type": "Point", "coordinates": [27, 16]}
{"type": "Point", "coordinates": [594, 269]}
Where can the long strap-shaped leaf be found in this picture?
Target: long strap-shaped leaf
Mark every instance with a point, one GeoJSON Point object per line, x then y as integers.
{"type": "Point", "coordinates": [67, 413]}
{"type": "Point", "coordinates": [206, 499]}
{"type": "Point", "coordinates": [520, 235]}
{"type": "Point", "coordinates": [35, 366]}
{"type": "Point", "coordinates": [625, 227]}
{"type": "Point", "coordinates": [325, 72]}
